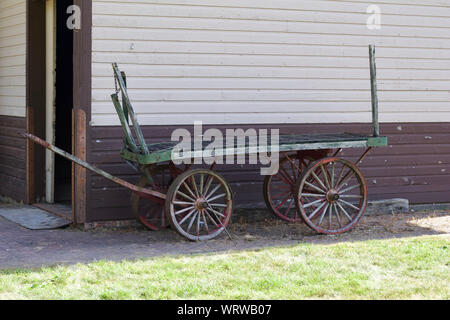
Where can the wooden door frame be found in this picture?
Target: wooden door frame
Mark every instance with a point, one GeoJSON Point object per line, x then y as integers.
{"type": "Point", "coordinates": [35, 99]}
{"type": "Point", "coordinates": [50, 96]}
{"type": "Point", "coordinates": [82, 93]}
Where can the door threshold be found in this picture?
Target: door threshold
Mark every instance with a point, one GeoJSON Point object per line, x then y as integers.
{"type": "Point", "coordinates": [60, 209]}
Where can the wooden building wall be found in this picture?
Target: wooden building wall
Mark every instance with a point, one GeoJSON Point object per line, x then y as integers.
{"type": "Point", "coordinates": [12, 98]}
{"type": "Point", "coordinates": [271, 61]}
{"type": "Point", "coordinates": [12, 57]}
{"type": "Point", "coordinates": [12, 158]}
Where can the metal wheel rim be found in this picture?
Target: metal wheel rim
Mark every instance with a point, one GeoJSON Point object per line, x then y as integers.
{"type": "Point", "coordinates": [334, 207]}
{"type": "Point", "coordinates": [186, 208]}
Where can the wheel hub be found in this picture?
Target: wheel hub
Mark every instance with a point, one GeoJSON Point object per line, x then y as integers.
{"type": "Point", "coordinates": [333, 196]}
{"type": "Point", "coordinates": [201, 204]}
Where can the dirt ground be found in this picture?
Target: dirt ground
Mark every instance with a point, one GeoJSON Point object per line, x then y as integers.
{"type": "Point", "coordinates": [23, 248]}
{"type": "Point", "coordinates": [370, 227]}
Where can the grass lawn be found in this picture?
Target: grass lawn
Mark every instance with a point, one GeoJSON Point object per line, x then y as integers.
{"type": "Point", "coordinates": [407, 268]}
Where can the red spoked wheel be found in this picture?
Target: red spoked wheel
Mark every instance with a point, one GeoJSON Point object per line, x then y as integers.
{"type": "Point", "coordinates": [150, 210]}
{"type": "Point", "coordinates": [279, 189]}
{"type": "Point", "coordinates": [199, 204]}
{"type": "Point", "coordinates": [331, 196]}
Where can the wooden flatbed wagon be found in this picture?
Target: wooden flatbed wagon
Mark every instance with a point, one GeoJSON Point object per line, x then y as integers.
{"type": "Point", "coordinates": [312, 184]}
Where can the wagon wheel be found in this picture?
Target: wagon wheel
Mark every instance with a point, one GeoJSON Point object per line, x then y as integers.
{"type": "Point", "coordinates": [331, 196]}
{"type": "Point", "coordinates": [199, 204]}
{"type": "Point", "coordinates": [150, 210]}
{"type": "Point", "coordinates": [279, 189]}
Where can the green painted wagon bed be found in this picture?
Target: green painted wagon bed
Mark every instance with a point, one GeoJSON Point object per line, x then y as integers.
{"type": "Point", "coordinates": [313, 185]}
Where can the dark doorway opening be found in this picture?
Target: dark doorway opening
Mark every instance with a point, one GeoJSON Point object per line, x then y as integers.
{"type": "Point", "coordinates": [37, 108]}
{"type": "Point", "coordinates": [63, 102]}
{"type": "Point", "coordinates": [35, 99]}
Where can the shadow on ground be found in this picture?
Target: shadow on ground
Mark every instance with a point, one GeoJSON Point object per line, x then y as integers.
{"type": "Point", "coordinates": [23, 248]}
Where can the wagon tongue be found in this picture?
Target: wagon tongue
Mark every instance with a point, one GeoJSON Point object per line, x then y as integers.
{"type": "Point", "coordinates": [86, 165]}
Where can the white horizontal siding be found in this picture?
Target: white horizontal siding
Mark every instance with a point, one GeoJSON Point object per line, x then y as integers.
{"type": "Point", "coordinates": [271, 61]}
{"type": "Point", "coordinates": [12, 57]}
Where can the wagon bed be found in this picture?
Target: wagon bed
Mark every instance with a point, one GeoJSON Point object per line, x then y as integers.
{"type": "Point", "coordinates": [161, 152]}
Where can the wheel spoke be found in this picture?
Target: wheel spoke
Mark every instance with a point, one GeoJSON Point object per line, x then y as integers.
{"type": "Point", "coordinates": [212, 192]}
{"type": "Point", "coordinates": [218, 205]}
{"type": "Point", "coordinates": [215, 212]}
{"type": "Point", "coordinates": [295, 168]}
{"type": "Point", "coordinates": [338, 180]}
{"type": "Point", "coordinates": [325, 177]}
{"type": "Point", "coordinates": [286, 174]}
{"type": "Point", "coordinates": [189, 189]}
{"type": "Point", "coordinates": [346, 178]}
{"type": "Point", "coordinates": [185, 196]}
{"type": "Point", "coordinates": [332, 174]}
{"type": "Point", "coordinates": [187, 216]}
{"type": "Point", "coordinates": [198, 223]}
{"type": "Point", "coordinates": [283, 178]}
{"type": "Point", "coordinates": [353, 196]}
{"type": "Point", "coordinates": [192, 221]}
{"type": "Point", "coordinates": [217, 197]}
{"type": "Point", "coordinates": [349, 189]}
{"type": "Point", "coordinates": [289, 208]}
{"type": "Point", "coordinates": [323, 213]}
{"type": "Point", "coordinates": [349, 204]}
{"type": "Point", "coordinates": [283, 202]}
{"type": "Point", "coordinates": [318, 180]}
{"type": "Point", "coordinates": [312, 203]}
{"type": "Point", "coordinates": [314, 195]}
{"type": "Point", "coordinates": [294, 171]}
{"type": "Point", "coordinates": [314, 187]}
{"type": "Point", "coordinates": [211, 218]}
{"type": "Point", "coordinates": [338, 217]}
{"type": "Point", "coordinates": [209, 180]}
{"type": "Point", "coordinates": [201, 184]}
{"type": "Point", "coordinates": [182, 203]}
{"type": "Point", "coordinates": [184, 210]}
{"type": "Point", "coordinates": [330, 213]}
{"type": "Point", "coordinates": [345, 212]}
{"type": "Point", "coordinates": [278, 195]}
{"type": "Point", "coordinates": [204, 220]}
{"type": "Point", "coordinates": [194, 184]}
{"type": "Point", "coordinates": [317, 210]}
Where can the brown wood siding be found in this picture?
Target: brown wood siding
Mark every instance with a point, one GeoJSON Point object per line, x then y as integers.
{"type": "Point", "coordinates": [12, 158]}
{"type": "Point", "coordinates": [415, 166]}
